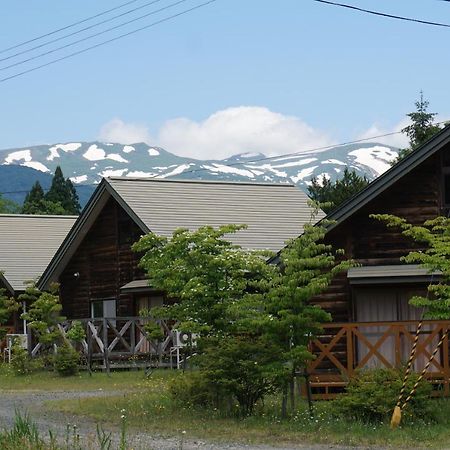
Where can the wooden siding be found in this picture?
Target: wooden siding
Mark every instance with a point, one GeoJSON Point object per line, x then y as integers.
{"type": "Point", "coordinates": [104, 262]}
{"type": "Point", "coordinates": [416, 197]}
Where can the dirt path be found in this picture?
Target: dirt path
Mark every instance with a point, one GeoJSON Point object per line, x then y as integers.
{"type": "Point", "coordinates": [45, 419]}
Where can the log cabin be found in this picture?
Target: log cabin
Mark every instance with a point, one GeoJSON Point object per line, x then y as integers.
{"type": "Point", "coordinates": [27, 245]}
{"type": "Point", "coordinates": [97, 270]}
{"type": "Point", "coordinates": [373, 323]}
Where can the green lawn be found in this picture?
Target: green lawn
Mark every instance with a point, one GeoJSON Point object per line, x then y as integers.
{"type": "Point", "coordinates": [50, 381]}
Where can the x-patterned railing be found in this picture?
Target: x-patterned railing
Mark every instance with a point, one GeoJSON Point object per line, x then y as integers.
{"type": "Point", "coordinates": [347, 347]}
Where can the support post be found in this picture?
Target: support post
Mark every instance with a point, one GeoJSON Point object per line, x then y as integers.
{"type": "Point", "coordinates": [105, 346]}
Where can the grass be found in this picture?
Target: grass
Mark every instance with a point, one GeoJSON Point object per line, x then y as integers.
{"type": "Point", "coordinates": [148, 407]}
{"type": "Point", "coordinates": [153, 410]}
{"type": "Point", "coordinates": [50, 381]}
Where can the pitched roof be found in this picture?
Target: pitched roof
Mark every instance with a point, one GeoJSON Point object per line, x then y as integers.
{"type": "Point", "coordinates": [27, 245]}
{"type": "Point", "coordinates": [391, 176]}
{"type": "Point", "coordinates": [274, 213]}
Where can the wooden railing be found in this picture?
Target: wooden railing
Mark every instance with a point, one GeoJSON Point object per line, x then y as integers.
{"type": "Point", "coordinates": [119, 341]}
{"type": "Point", "coordinates": [347, 347]}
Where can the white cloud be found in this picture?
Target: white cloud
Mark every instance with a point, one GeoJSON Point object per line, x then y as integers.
{"type": "Point", "coordinates": [118, 131]}
{"type": "Point", "coordinates": [225, 133]}
{"type": "Point", "coordinates": [238, 130]}
{"type": "Point", "coordinates": [399, 140]}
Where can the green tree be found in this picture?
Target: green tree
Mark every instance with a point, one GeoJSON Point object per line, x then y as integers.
{"type": "Point", "coordinates": [63, 192]}
{"type": "Point", "coordinates": [43, 313]}
{"type": "Point", "coordinates": [331, 195]}
{"type": "Point", "coordinates": [205, 272]}
{"type": "Point", "coordinates": [62, 198]}
{"type": "Point", "coordinates": [242, 306]}
{"type": "Point", "coordinates": [8, 206]}
{"type": "Point", "coordinates": [422, 127]}
{"type": "Point", "coordinates": [35, 203]}
{"type": "Point", "coordinates": [7, 307]}
{"type": "Point", "coordinates": [434, 235]}
{"type": "Point", "coordinates": [291, 318]}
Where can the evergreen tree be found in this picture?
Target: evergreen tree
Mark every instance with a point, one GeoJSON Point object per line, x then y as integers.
{"type": "Point", "coordinates": [8, 206]}
{"type": "Point", "coordinates": [330, 195]}
{"type": "Point", "coordinates": [73, 206]}
{"type": "Point", "coordinates": [421, 129]}
{"type": "Point", "coordinates": [35, 203]}
{"type": "Point", "coordinates": [62, 198]}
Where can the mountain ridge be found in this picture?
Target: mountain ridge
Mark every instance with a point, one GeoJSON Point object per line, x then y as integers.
{"type": "Point", "coordinates": [85, 163]}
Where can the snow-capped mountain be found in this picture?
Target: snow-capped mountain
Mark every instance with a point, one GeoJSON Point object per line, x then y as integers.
{"type": "Point", "coordinates": [88, 162]}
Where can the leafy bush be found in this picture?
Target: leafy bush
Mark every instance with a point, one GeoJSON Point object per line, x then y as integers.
{"type": "Point", "coordinates": [76, 332]}
{"type": "Point", "coordinates": [66, 360]}
{"type": "Point", "coordinates": [21, 363]}
{"type": "Point", "coordinates": [193, 389]}
{"type": "Point", "coordinates": [372, 395]}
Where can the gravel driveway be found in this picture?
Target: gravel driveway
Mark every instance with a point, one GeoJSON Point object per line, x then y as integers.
{"type": "Point", "coordinates": [45, 419]}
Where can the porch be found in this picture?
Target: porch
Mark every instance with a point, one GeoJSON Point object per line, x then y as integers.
{"type": "Point", "coordinates": [344, 348]}
{"type": "Point", "coordinates": [124, 343]}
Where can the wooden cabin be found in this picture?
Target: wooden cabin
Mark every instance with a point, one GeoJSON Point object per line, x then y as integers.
{"type": "Point", "coordinates": [27, 245]}
{"type": "Point", "coordinates": [95, 266]}
{"type": "Point", "coordinates": [373, 323]}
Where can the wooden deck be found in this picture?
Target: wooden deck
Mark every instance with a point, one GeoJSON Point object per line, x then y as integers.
{"type": "Point", "coordinates": [345, 348]}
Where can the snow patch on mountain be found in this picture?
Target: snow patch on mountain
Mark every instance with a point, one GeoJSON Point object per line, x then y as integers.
{"type": "Point", "coordinates": [95, 153]}
{"type": "Point", "coordinates": [378, 158]}
{"type": "Point", "coordinates": [140, 174]}
{"type": "Point", "coordinates": [80, 179]}
{"type": "Point", "coordinates": [216, 168]}
{"type": "Point", "coordinates": [113, 173]}
{"type": "Point", "coordinates": [36, 165]}
{"type": "Point", "coordinates": [18, 156]}
{"type": "Point", "coordinates": [301, 162]}
{"type": "Point", "coordinates": [117, 157]}
{"type": "Point", "coordinates": [304, 173]}
{"type": "Point", "coordinates": [128, 149]}
{"type": "Point", "coordinates": [177, 171]}
{"type": "Point", "coordinates": [153, 152]}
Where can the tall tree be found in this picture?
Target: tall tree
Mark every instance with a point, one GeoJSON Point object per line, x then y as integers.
{"type": "Point", "coordinates": [330, 195]}
{"type": "Point", "coordinates": [62, 198]}
{"type": "Point", "coordinates": [8, 206]}
{"type": "Point", "coordinates": [35, 203]}
{"type": "Point", "coordinates": [422, 127]}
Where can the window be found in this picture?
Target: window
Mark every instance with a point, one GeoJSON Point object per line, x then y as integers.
{"type": "Point", "coordinates": [103, 308]}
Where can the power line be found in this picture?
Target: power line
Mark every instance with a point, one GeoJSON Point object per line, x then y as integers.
{"type": "Point", "coordinates": [110, 19]}
{"type": "Point", "coordinates": [21, 44]}
{"type": "Point", "coordinates": [165, 19]}
{"type": "Point", "coordinates": [94, 35]}
{"type": "Point", "coordinates": [390, 16]}
{"type": "Point", "coordinates": [266, 158]}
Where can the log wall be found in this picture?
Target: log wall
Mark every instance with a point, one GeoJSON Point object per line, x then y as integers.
{"type": "Point", "coordinates": [104, 262]}
{"type": "Point", "coordinates": [416, 197]}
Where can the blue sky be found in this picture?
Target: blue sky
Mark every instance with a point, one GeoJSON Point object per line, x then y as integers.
{"type": "Point", "coordinates": [305, 73]}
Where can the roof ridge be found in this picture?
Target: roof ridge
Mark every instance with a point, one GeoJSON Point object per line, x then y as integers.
{"type": "Point", "coordinates": [165, 180]}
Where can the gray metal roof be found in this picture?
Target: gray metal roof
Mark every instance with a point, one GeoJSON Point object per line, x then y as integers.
{"type": "Point", "coordinates": [401, 273]}
{"type": "Point", "coordinates": [27, 245]}
{"type": "Point", "coordinates": [274, 213]}
{"type": "Point", "coordinates": [137, 286]}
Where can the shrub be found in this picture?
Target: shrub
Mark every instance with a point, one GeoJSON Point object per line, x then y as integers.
{"type": "Point", "coordinates": [372, 394]}
{"type": "Point", "coordinates": [76, 332]}
{"type": "Point", "coordinates": [193, 389]}
{"type": "Point", "coordinates": [21, 363]}
{"type": "Point", "coordinates": [66, 360]}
